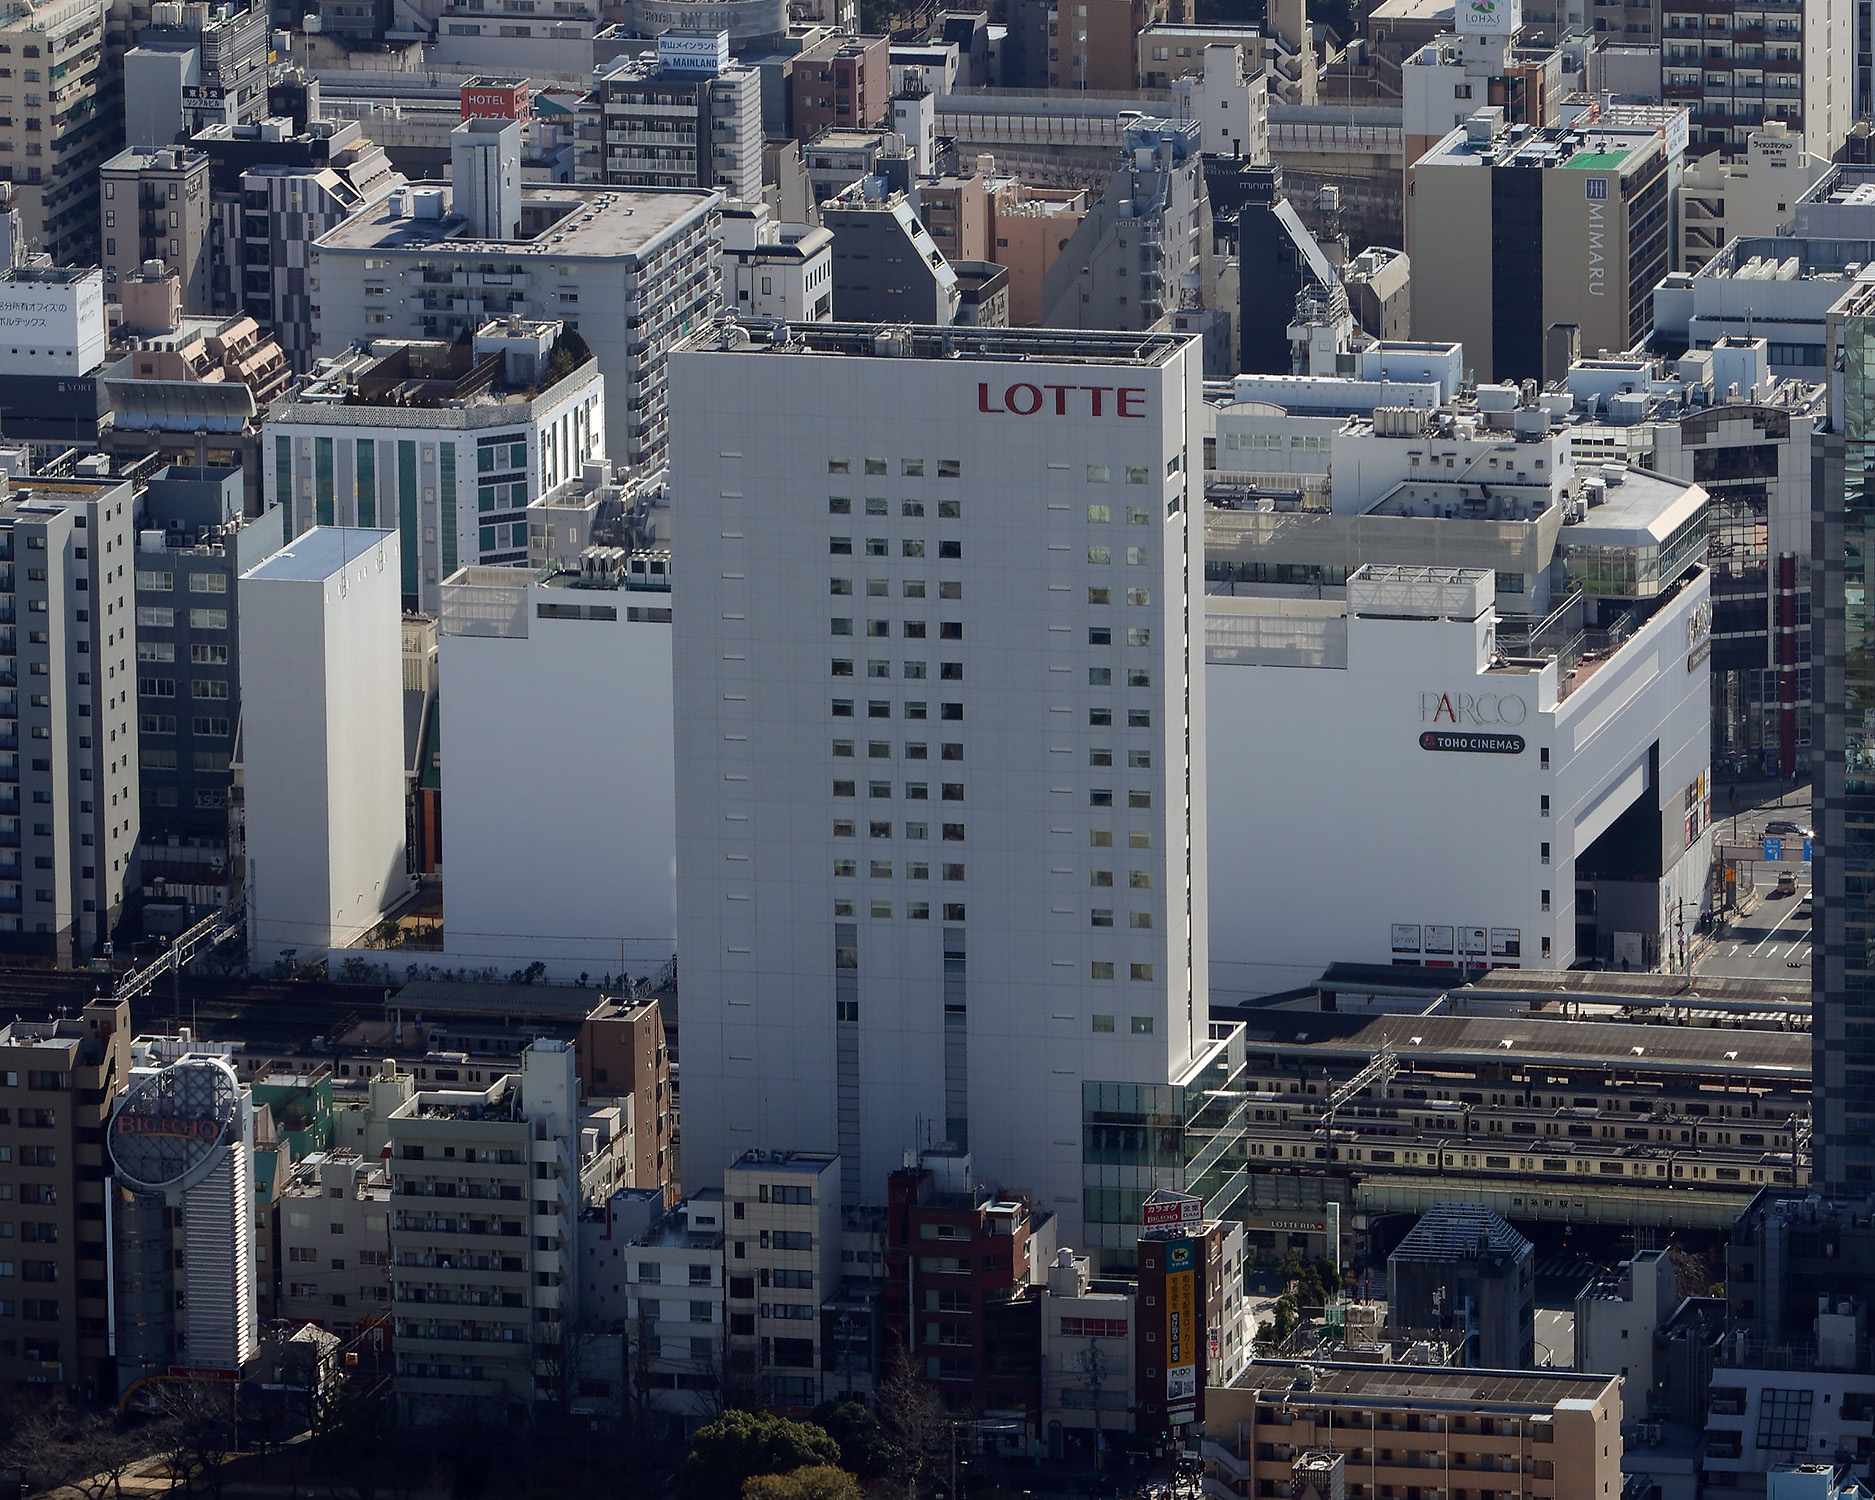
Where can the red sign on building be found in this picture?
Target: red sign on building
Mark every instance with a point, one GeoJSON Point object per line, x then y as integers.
{"type": "Point", "coordinates": [496, 99]}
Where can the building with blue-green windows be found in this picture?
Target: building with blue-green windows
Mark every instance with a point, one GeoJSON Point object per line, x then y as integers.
{"type": "Point", "coordinates": [1842, 975]}
{"type": "Point", "coordinates": [445, 443]}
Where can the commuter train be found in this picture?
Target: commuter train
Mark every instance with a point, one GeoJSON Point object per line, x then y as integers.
{"type": "Point", "coordinates": [1737, 1152]}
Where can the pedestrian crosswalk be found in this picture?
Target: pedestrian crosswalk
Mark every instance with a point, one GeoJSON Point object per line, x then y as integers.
{"type": "Point", "coordinates": [1565, 1267]}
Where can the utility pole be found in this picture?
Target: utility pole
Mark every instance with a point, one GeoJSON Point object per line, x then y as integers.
{"type": "Point", "coordinates": [1378, 1073]}
{"type": "Point", "coordinates": [1095, 1364]}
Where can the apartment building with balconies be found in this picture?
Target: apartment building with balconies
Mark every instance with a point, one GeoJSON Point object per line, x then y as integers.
{"type": "Point", "coordinates": [1450, 1434]}
{"type": "Point", "coordinates": [1144, 244]}
{"type": "Point", "coordinates": [483, 1239]}
{"type": "Point", "coordinates": [1738, 65]}
{"type": "Point", "coordinates": [155, 207]}
{"type": "Point", "coordinates": [68, 721]}
{"type": "Point", "coordinates": [670, 121]}
{"type": "Point", "coordinates": [66, 119]}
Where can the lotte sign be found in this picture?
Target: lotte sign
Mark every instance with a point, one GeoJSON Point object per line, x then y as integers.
{"type": "Point", "coordinates": [1025, 399]}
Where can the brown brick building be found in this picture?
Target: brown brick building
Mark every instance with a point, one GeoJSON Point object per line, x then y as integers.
{"type": "Point", "coordinates": [621, 1051]}
{"type": "Point", "coordinates": [964, 1265]}
{"type": "Point", "coordinates": [845, 82]}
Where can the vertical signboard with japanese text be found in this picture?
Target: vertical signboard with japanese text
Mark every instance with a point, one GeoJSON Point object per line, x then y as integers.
{"type": "Point", "coordinates": [1181, 1330]}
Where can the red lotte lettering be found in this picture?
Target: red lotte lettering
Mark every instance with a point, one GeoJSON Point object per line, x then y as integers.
{"type": "Point", "coordinates": [1026, 399]}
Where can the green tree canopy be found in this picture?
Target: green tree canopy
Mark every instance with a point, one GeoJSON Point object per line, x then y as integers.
{"type": "Point", "coordinates": [739, 1445]}
{"type": "Point", "coordinates": [865, 1451]}
{"type": "Point", "coordinates": [815, 1482]}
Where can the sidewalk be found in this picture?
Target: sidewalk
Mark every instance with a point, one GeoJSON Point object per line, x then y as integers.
{"type": "Point", "coordinates": [1758, 792]}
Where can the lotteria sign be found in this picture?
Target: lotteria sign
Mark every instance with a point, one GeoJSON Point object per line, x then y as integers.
{"type": "Point", "coordinates": [1028, 399]}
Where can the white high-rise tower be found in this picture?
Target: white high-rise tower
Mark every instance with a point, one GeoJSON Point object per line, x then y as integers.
{"type": "Point", "coordinates": [940, 739]}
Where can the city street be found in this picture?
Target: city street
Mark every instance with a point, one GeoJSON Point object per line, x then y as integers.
{"type": "Point", "coordinates": [1772, 941]}
{"type": "Point", "coordinates": [1555, 1338]}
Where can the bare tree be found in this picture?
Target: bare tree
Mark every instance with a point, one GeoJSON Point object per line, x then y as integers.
{"type": "Point", "coordinates": [198, 1433]}
{"type": "Point", "coordinates": [55, 1446]}
{"type": "Point", "coordinates": [913, 1421]}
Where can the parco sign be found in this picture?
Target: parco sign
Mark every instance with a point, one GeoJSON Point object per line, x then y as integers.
{"type": "Point", "coordinates": [1482, 709]}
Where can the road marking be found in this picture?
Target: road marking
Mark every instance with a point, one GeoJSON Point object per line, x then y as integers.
{"type": "Point", "coordinates": [1734, 949]}
{"type": "Point", "coordinates": [1782, 917]}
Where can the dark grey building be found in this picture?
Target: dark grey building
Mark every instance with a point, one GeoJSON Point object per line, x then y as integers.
{"type": "Point", "coordinates": [192, 543]}
{"type": "Point", "coordinates": [970, 30]}
{"type": "Point", "coordinates": [1789, 1259]}
{"type": "Point", "coordinates": [271, 195]}
{"type": "Point", "coordinates": [1462, 1267]}
{"type": "Point", "coordinates": [886, 266]}
{"type": "Point", "coordinates": [1277, 259]}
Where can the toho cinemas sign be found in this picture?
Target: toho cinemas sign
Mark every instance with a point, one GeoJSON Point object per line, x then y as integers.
{"type": "Point", "coordinates": [1027, 399]}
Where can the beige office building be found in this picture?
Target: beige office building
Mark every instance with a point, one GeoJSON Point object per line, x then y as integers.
{"type": "Point", "coordinates": [782, 1233]}
{"type": "Point", "coordinates": [1515, 239]}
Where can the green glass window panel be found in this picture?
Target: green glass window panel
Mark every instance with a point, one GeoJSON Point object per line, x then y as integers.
{"type": "Point", "coordinates": [485, 497]}
{"type": "Point", "coordinates": [322, 481]}
{"type": "Point", "coordinates": [367, 482]}
{"type": "Point", "coordinates": [283, 479]}
{"type": "Point", "coordinates": [488, 538]}
{"type": "Point", "coordinates": [447, 484]}
{"type": "Point", "coordinates": [407, 513]}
